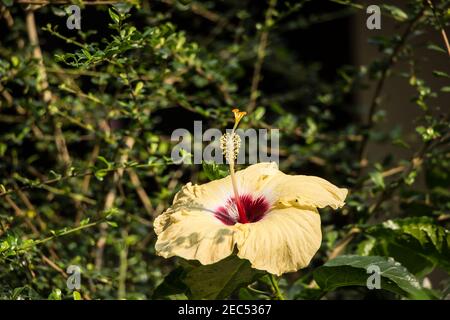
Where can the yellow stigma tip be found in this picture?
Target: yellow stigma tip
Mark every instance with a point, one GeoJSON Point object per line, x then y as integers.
{"type": "Point", "coordinates": [238, 115]}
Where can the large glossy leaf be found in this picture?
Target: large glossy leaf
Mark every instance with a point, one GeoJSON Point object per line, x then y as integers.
{"type": "Point", "coordinates": [221, 279]}
{"type": "Point", "coordinates": [172, 287]}
{"type": "Point", "coordinates": [418, 243]}
{"type": "Point", "coordinates": [352, 270]}
{"type": "Point", "coordinates": [215, 281]}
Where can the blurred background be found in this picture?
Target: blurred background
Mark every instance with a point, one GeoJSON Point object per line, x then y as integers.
{"type": "Point", "coordinates": [86, 117]}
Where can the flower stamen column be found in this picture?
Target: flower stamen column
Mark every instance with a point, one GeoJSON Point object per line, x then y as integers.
{"type": "Point", "coordinates": [230, 144]}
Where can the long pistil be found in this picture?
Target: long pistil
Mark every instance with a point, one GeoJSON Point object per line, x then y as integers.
{"type": "Point", "coordinates": [241, 211]}
{"type": "Point", "coordinates": [231, 150]}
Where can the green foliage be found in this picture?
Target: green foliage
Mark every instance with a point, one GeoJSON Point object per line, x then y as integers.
{"type": "Point", "coordinates": [418, 243]}
{"type": "Point", "coordinates": [215, 281]}
{"type": "Point", "coordinates": [214, 171]}
{"type": "Point", "coordinates": [85, 148]}
{"type": "Point", "coordinates": [352, 270]}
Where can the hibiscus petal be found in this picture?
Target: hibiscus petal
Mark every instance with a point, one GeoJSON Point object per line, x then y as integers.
{"type": "Point", "coordinates": [284, 241]}
{"type": "Point", "coordinates": [209, 196]}
{"type": "Point", "coordinates": [193, 235]}
{"type": "Point", "coordinates": [306, 191]}
{"type": "Point", "coordinates": [256, 178]}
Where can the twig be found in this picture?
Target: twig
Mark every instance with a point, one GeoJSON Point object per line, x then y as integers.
{"type": "Point", "coordinates": [145, 199]}
{"type": "Point", "coordinates": [40, 184]}
{"type": "Point", "coordinates": [380, 85]}
{"type": "Point", "coordinates": [123, 255]}
{"type": "Point", "coordinates": [47, 95]}
{"type": "Point", "coordinates": [109, 202]}
{"type": "Point", "coordinates": [415, 162]}
{"type": "Point", "coordinates": [89, 3]}
{"type": "Point", "coordinates": [200, 10]}
{"type": "Point", "coordinates": [19, 212]}
{"type": "Point", "coordinates": [441, 25]}
{"type": "Point", "coordinates": [65, 233]}
{"type": "Point", "coordinates": [45, 182]}
{"type": "Point", "coordinates": [261, 53]}
{"type": "Point", "coordinates": [340, 247]}
{"type": "Point", "coordinates": [4, 13]}
{"type": "Point", "coordinates": [54, 266]}
{"type": "Point", "coordinates": [31, 207]}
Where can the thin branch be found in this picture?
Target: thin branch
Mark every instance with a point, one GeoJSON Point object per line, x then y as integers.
{"type": "Point", "coordinates": [47, 95]}
{"type": "Point", "coordinates": [200, 10]}
{"type": "Point", "coordinates": [441, 25]}
{"type": "Point", "coordinates": [380, 85]}
{"type": "Point", "coordinates": [88, 3]}
{"type": "Point", "coordinates": [145, 199]}
{"type": "Point", "coordinates": [54, 266]}
{"type": "Point", "coordinates": [261, 54]}
{"type": "Point", "coordinates": [42, 241]}
{"type": "Point", "coordinates": [41, 184]}
{"type": "Point", "coordinates": [109, 201]}
{"type": "Point", "coordinates": [123, 267]}
{"type": "Point", "coordinates": [340, 247]}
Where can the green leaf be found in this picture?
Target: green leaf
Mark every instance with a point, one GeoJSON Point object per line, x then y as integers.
{"type": "Point", "coordinates": [55, 295]}
{"type": "Point", "coordinates": [436, 48]}
{"type": "Point", "coordinates": [418, 243]}
{"type": "Point", "coordinates": [377, 179]}
{"type": "Point", "coordinates": [441, 74]}
{"type": "Point", "coordinates": [214, 281]}
{"type": "Point", "coordinates": [8, 3]}
{"type": "Point", "coordinates": [397, 13]}
{"type": "Point", "coordinates": [138, 88]}
{"type": "Point", "coordinates": [352, 270]}
{"type": "Point", "coordinates": [437, 172]}
{"type": "Point", "coordinates": [214, 171]}
{"type": "Point", "coordinates": [84, 222]}
{"type": "Point", "coordinates": [221, 279]}
{"type": "Point", "coordinates": [114, 16]}
{"type": "Point", "coordinates": [108, 164]}
{"type": "Point", "coordinates": [112, 224]}
{"type": "Point", "coordinates": [172, 287]}
{"type": "Point", "coordinates": [77, 296]}
{"type": "Point", "coordinates": [100, 174]}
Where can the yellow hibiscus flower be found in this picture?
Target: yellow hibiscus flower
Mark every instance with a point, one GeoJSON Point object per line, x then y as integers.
{"type": "Point", "coordinates": [268, 217]}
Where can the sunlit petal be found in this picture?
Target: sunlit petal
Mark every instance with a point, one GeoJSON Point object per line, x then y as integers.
{"type": "Point", "coordinates": [284, 241]}
{"type": "Point", "coordinates": [193, 235]}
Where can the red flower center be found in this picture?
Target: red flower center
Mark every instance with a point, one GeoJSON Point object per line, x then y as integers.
{"type": "Point", "coordinates": [254, 208]}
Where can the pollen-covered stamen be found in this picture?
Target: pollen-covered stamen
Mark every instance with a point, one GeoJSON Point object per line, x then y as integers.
{"type": "Point", "coordinates": [254, 208]}
{"type": "Point", "coordinates": [230, 144]}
